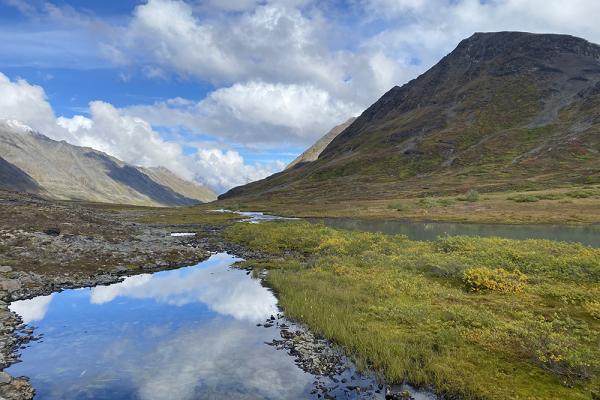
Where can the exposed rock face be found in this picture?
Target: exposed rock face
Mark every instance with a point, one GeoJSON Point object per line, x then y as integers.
{"type": "Point", "coordinates": [31, 162]}
{"type": "Point", "coordinates": [313, 152]}
{"type": "Point", "coordinates": [504, 110]}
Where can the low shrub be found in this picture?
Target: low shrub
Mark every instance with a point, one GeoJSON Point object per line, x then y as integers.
{"type": "Point", "coordinates": [524, 198]}
{"type": "Point", "coordinates": [472, 195]}
{"type": "Point", "coordinates": [593, 308]}
{"type": "Point", "coordinates": [427, 203]}
{"type": "Point", "coordinates": [583, 193]}
{"type": "Point", "coordinates": [550, 343]}
{"type": "Point", "coordinates": [497, 280]}
{"type": "Point", "coordinates": [397, 206]}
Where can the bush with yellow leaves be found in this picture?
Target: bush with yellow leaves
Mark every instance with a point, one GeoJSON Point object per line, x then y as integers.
{"type": "Point", "coordinates": [497, 280]}
{"type": "Point", "coordinates": [593, 308]}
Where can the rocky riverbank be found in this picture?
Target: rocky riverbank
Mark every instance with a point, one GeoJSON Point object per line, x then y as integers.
{"type": "Point", "coordinates": [47, 247]}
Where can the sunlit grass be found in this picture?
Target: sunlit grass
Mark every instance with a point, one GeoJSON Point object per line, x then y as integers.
{"type": "Point", "coordinates": [404, 307]}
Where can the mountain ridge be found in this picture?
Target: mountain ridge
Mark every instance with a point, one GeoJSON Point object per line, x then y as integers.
{"type": "Point", "coordinates": [313, 152]}
{"type": "Point", "coordinates": [32, 162]}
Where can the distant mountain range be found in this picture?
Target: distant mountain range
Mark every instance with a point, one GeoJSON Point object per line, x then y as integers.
{"type": "Point", "coordinates": [313, 152]}
{"type": "Point", "coordinates": [32, 162]}
{"type": "Point", "coordinates": [506, 110]}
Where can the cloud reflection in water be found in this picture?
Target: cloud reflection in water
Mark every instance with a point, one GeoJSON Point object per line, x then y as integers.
{"type": "Point", "coordinates": [183, 334]}
{"type": "Point", "coordinates": [212, 284]}
{"type": "Point", "coordinates": [32, 309]}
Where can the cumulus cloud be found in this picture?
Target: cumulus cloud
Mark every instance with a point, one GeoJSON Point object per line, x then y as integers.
{"type": "Point", "coordinates": [233, 170]}
{"type": "Point", "coordinates": [426, 30]}
{"type": "Point", "coordinates": [255, 113]}
{"type": "Point", "coordinates": [32, 309]}
{"type": "Point", "coordinates": [28, 103]}
{"type": "Point", "coordinates": [126, 137]}
{"type": "Point", "coordinates": [274, 42]}
{"type": "Point", "coordinates": [224, 291]}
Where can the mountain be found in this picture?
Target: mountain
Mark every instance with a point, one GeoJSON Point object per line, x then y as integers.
{"type": "Point", "coordinates": [313, 152]}
{"type": "Point", "coordinates": [506, 110]}
{"type": "Point", "coordinates": [32, 162]}
{"type": "Point", "coordinates": [165, 177]}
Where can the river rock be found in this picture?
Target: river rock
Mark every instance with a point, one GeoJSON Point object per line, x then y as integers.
{"type": "Point", "coordinates": [5, 268]}
{"type": "Point", "coordinates": [5, 378]}
{"type": "Point", "coordinates": [52, 231]}
{"type": "Point", "coordinates": [10, 285]}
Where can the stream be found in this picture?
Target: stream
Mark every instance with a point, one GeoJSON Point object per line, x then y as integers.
{"type": "Point", "coordinates": [197, 332]}
{"type": "Point", "coordinates": [416, 230]}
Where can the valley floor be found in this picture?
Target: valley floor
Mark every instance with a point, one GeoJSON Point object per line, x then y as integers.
{"type": "Point", "coordinates": [471, 318]}
{"type": "Point", "coordinates": [568, 205]}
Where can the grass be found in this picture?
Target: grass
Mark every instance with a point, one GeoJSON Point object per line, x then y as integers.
{"type": "Point", "coordinates": [408, 308]}
{"type": "Point", "coordinates": [570, 204]}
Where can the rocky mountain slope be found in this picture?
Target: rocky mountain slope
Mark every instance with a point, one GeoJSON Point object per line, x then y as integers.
{"type": "Point", "coordinates": [31, 162]}
{"type": "Point", "coordinates": [313, 152]}
{"type": "Point", "coordinates": [506, 110]}
{"type": "Point", "coordinates": [165, 177]}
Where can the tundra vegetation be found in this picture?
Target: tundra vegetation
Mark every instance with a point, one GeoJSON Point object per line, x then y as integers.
{"type": "Point", "coordinates": [569, 204]}
{"type": "Point", "coordinates": [471, 317]}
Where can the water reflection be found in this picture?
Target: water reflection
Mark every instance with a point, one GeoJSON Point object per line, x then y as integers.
{"type": "Point", "coordinates": [184, 334]}
{"type": "Point", "coordinates": [213, 285]}
{"type": "Point", "coordinates": [33, 309]}
{"type": "Point", "coordinates": [585, 234]}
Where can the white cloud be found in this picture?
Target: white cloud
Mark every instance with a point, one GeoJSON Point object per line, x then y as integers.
{"type": "Point", "coordinates": [32, 309]}
{"type": "Point", "coordinates": [275, 42]}
{"type": "Point", "coordinates": [126, 137]}
{"type": "Point", "coordinates": [427, 30]}
{"type": "Point", "coordinates": [233, 170]}
{"type": "Point", "coordinates": [224, 291]}
{"type": "Point", "coordinates": [255, 114]}
{"type": "Point", "coordinates": [28, 103]}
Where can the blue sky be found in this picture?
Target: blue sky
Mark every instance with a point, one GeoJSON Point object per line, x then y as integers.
{"type": "Point", "coordinates": [228, 91]}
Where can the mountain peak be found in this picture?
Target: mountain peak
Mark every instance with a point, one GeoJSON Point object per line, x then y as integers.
{"type": "Point", "coordinates": [503, 109]}
{"type": "Point", "coordinates": [482, 46]}
{"type": "Point", "coordinates": [16, 125]}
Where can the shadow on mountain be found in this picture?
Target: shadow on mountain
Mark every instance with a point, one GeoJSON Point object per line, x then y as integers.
{"type": "Point", "coordinates": [141, 183]}
{"type": "Point", "coordinates": [14, 178]}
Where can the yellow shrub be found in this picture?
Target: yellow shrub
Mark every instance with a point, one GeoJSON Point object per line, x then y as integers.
{"type": "Point", "coordinates": [333, 245]}
{"type": "Point", "coordinates": [593, 308]}
{"type": "Point", "coordinates": [497, 280]}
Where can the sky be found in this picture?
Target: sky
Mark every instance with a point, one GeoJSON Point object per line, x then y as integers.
{"type": "Point", "coordinates": [225, 92]}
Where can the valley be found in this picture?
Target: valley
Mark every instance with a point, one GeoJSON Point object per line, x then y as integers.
{"type": "Point", "coordinates": [443, 244]}
{"type": "Point", "coordinates": [518, 316]}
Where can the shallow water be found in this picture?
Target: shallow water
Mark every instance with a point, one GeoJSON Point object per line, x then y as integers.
{"type": "Point", "coordinates": [586, 234]}
{"type": "Point", "coordinates": [189, 333]}
{"type": "Point", "coordinates": [258, 217]}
